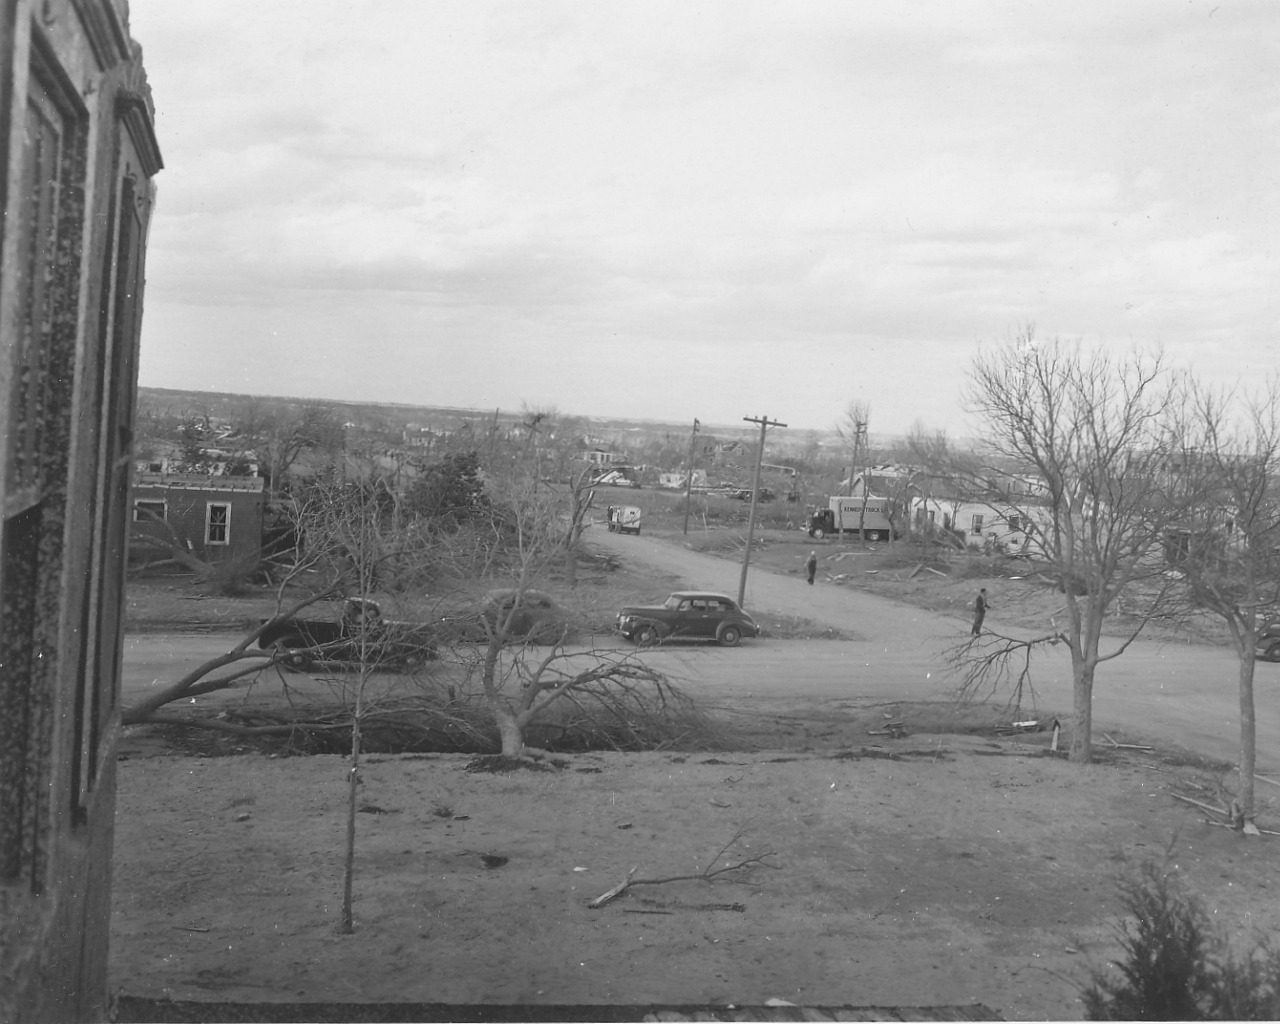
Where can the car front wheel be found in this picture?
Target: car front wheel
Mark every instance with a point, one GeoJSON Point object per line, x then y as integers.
{"type": "Point", "coordinates": [646, 636]}
{"type": "Point", "coordinates": [287, 656]}
{"type": "Point", "coordinates": [414, 660]}
{"type": "Point", "coordinates": [729, 636]}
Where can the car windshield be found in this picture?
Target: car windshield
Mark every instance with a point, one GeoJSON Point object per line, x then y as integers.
{"type": "Point", "coordinates": [673, 602]}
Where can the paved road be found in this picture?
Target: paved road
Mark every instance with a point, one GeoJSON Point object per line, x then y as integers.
{"type": "Point", "coordinates": [1177, 693]}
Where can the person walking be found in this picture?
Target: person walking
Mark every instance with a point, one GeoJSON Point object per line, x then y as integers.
{"type": "Point", "coordinates": [979, 610]}
{"type": "Point", "coordinates": [811, 566]}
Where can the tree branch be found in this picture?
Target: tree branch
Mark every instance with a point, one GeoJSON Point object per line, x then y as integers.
{"type": "Point", "coordinates": [707, 874]}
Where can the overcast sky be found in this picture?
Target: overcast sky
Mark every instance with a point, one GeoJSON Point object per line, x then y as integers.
{"type": "Point", "coordinates": [670, 210]}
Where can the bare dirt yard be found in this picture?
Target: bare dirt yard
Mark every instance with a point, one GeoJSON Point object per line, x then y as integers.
{"type": "Point", "coordinates": [946, 864]}
{"type": "Point", "coordinates": [926, 871]}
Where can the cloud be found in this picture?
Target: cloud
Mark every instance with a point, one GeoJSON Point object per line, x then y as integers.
{"type": "Point", "coordinates": [823, 186]}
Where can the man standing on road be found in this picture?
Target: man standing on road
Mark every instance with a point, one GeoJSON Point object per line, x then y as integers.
{"type": "Point", "coordinates": [979, 610]}
{"type": "Point", "coordinates": [811, 566]}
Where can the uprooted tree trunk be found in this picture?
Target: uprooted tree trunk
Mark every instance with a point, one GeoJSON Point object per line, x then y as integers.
{"type": "Point", "coordinates": [202, 680]}
{"type": "Point", "coordinates": [614, 692]}
{"type": "Point", "coordinates": [519, 687]}
{"type": "Point", "coordinates": [229, 573]}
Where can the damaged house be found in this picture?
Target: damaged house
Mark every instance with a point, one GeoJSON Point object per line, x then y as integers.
{"type": "Point", "coordinates": [215, 518]}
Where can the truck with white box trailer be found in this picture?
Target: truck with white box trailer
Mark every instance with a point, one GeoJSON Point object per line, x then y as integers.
{"type": "Point", "coordinates": [870, 514]}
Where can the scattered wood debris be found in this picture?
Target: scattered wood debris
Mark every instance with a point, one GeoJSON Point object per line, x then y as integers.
{"type": "Point", "coordinates": [1222, 811]}
{"type": "Point", "coordinates": [1125, 746]}
{"type": "Point", "coordinates": [708, 874]}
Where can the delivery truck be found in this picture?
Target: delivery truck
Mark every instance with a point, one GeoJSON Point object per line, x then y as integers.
{"type": "Point", "coordinates": [624, 519]}
{"type": "Point", "coordinates": [850, 514]}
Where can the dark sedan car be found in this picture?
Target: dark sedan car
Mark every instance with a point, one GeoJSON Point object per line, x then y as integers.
{"type": "Point", "coordinates": [688, 615]}
{"type": "Point", "coordinates": [529, 616]}
{"type": "Point", "coordinates": [301, 643]}
{"type": "Point", "coordinates": [1269, 641]}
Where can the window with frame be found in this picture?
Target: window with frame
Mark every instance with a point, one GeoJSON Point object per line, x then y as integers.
{"type": "Point", "coordinates": [43, 228]}
{"type": "Point", "coordinates": [217, 522]}
{"type": "Point", "coordinates": [149, 511]}
{"type": "Point", "coordinates": [977, 522]}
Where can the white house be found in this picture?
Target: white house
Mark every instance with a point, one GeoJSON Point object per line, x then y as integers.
{"type": "Point", "coordinates": [678, 481]}
{"type": "Point", "coordinates": [994, 523]}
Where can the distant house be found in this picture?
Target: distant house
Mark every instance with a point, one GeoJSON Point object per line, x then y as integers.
{"type": "Point", "coordinates": [166, 458]}
{"type": "Point", "coordinates": [214, 517]}
{"type": "Point", "coordinates": [881, 480]}
{"type": "Point", "coordinates": [604, 458]}
{"type": "Point", "coordinates": [678, 481]}
{"type": "Point", "coordinates": [995, 522]}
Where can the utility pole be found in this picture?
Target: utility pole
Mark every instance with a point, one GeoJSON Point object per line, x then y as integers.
{"type": "Point", "coordinates": [688, 487]}
{"type": "Point", "coordinates": [533, 424]}
{"type": "Point", "coordinates": [861, 448]}
{"type": "Point", "coordinates": [765, 424]}
{"type": "Point", "coordinates": [859, 436]}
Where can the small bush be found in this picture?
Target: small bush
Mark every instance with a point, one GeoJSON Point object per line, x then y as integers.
{"type": "Point", "coordinates": [1175, 967]}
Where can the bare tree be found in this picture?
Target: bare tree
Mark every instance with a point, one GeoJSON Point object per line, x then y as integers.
{"type": "Point", "coordinates": [1094, 429]}
{"type": "Point", "coordinates": [348, 542]}
{"type": "Point", "coordinates": [279, 440]}
{"type": "Point", "coordinates": [520, 686]}
{"type": "Point", "coordinates": [897, 503]}
{"type": "Point", "coordinates": [580, 498]}
{"type": "Point", "coordinates": [1227, 542]}
{"type": "Point", "coordinates": [540, 427]}
{"type": "Point", "coordinates": [554, 456]}
{"type": "Point", "coordinates": [944, 473]}
{"type": "Point", "coordinates": [352, 520]}
{"type": "Point", "coordinates": [852, 431]}
{"type": "Point", "coordinates": [194, 436]}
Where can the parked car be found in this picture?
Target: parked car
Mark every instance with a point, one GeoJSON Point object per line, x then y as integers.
{"type": "Point", "coordinates": [301, 643]}
{"type": "Point", "coordinates": [535, 619]}
{"type": "Point", "coordinates": [688, 615]}
{"type": "Point", "coordinates": [1268, 647]}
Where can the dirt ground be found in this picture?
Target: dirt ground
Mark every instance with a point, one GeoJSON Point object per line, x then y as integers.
{"type": "Point", "coordinates": [924, 871]}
